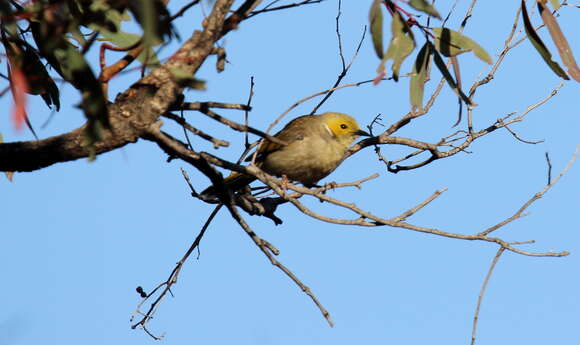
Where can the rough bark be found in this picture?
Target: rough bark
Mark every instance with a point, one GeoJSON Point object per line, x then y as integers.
{"type": "Point", "coordinates": [132, 112]}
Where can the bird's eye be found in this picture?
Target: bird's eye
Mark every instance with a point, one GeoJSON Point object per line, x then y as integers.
{"type": "Point", "coordinates": [343, 126]}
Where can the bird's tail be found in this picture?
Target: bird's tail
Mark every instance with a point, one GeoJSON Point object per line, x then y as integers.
{"type": "Point", "coordinates": [234, 182]}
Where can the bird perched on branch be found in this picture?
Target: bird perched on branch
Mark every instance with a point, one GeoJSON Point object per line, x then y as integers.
{"type": "Point", "coordinates": [315, 146]}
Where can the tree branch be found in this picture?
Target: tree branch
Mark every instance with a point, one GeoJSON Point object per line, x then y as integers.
{"type": "Point", "coordinates": [132, 112]}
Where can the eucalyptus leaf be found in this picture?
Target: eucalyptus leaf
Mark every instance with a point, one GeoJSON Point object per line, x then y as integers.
{"type": "Point", "coordinates": [124, 39]}
{"type": "Point", "coordinates": [376, 27]}
{"type": "Point", "coordinates": [417, 84]}
{"type": "Point", "coordinates": [401, 45]}
{"type": "Point", "coordinates": [452, 43]}
{"type": "Point", "coordinates": [560, 41]}
{"type": "Point", "coordinates": [448, 77]}
{"type": "Point", "coordinates": [424, 6]}
{"type": "Point", "coordinates": [539, 45]}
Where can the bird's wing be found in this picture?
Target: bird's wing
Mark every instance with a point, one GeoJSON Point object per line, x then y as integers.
{"type": "Point", "coordinates": [292, 132]}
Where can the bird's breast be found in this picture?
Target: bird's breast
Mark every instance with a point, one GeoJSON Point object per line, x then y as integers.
{"type": "Point", "coordinates": [306, 160]}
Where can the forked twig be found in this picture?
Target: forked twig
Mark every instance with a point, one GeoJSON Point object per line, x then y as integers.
{"type": "Point", "coordinates": [519, 213]}
{"type": "Point", "coordinates": [345, 68]}
{"type": "Point", "coordinates": [165, 287]}
{"type": "Point", "coordinates": [266, 249]}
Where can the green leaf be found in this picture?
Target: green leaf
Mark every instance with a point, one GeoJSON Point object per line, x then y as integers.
{"type": "Point", "coordinates": [401, 45]}
{"type": "Point", "coordinates": [376, 21]}
{"type": "Point", "coordinates": [452, 43]}
{"type": "Point", "coordinates": [68, 61]}
{"type": "Point", "coordinates": [77, 36]}
{"type": "Point", "coordinates": [539, 45]}
{"type": "Point", "coordinates": [424, 6]}
{"type": "Point", "coordinates": [93, 102]}
{"type": "Point", "coordinates": [23, 57]}
{"type": "Point", "coordinates": [445, 72]}
{"type": "Point", "coordinates": [154, 18]}
{"type": "Point", "coordinates": [124, 39]}
{"type": "Point", "coordinates": [556, 4]}
{"type": "Point", "coordinates": [417, 83]}
{"type": "Point", "coordinates": [113, 16]}
{"type": "Point", "coordinates": [93, 13]}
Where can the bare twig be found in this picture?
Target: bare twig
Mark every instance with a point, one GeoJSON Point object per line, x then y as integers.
{"type": "Point", "coordinates": [377, 148]}
{"type": "Point", "coordinates": [216, 142]}
{"type": "Point", "coordinates": [266, 249]}
{"type": "Point", "coordinates": [183, 10]}
{"type": "Point", "coordinates": [344, 69]}
{"type": "Point", "coordinates": [302, 100]}
{"type": "Point", "coordinates": [248, 107]}
{"type": "Point", "coordinates": [338, 37]}
{"type": "Point", "coordinates": [165, 287]}
{"type": "Point", "coordinates": [515, 135]}
{"type": "Point", "coordinates": [368, 219]}
{"type": "Point", "coordinates": [501, 56]}
{"type": "Point", "coordinates": [468, 15]}
{"type": "Point", "coordinates": [482, 292]}
{"type": "Point", "coordinates": [419, 206]}
{"type": "Point", "coordinates": [538, 195]}
{"type": "Point", "coordinates": [449, 13]}
{"type": "Point", "coordinates": [107, 73]}
{"type": "Point", "coordinates": [433, 148]}
{"type": "Point", "coordinates": [283, 7]}
{"type": "Point", "coordinates": [202, 105]}
{"type": "Point", "coordinates": [549, 168]}
{"type": "Point", "coordinates": [239, 127]}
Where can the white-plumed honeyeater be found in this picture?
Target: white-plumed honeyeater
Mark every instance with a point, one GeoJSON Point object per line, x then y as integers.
{"type": "Point", "coordinates": [315, 146]}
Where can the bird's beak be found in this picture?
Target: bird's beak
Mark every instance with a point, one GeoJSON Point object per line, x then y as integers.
{"type": "Point", "coordinates": [362, 133]}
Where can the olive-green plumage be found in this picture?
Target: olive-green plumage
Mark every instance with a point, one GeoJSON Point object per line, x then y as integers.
{"type": "Point", "coordinates": [315, 146]}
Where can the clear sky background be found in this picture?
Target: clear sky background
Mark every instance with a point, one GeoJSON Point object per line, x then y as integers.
{"type": "Point", "coordinates": [79, 237]}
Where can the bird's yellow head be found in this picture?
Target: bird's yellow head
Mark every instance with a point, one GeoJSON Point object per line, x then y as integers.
{"type": "Point", "coordinates": [342, 127]}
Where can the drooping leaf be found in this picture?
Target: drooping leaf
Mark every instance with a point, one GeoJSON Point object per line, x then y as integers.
{"type": "Point", "coordinates": [154, 18]}
{"type": "Point", "coordinates": [450, 81]}
{"type": "Point", "coordinates": [5, 10]}
{"type": "Point", "coordinates": [39, 81]}
{"type": "Point", "coordinates": [24, 60]}
{"type": "Point", "coordinates": [417, 84]}
{"type": "Point", "coordinates": [115, 13]}
{"type": "Point", "coordinates": [455, 64]}
{"type": "Point", "coordinates": [19, 87]}
{"type": "Point", "coordinates": [401, 45]}
{"type": "Point", "coordinates": [539, 45]}
{"type": "Point", "coordinates": [560, 41]}
{"type": "Point", "coordinates": [8, 16]}
{"type": "Point", "coordinates": [376, 27]}
{"type": "Point", "coordinates": [424, 6]}
{"type": "Point", "coordinates": [68, 61]}
{"type": "Point", "coordinates": [96, 13]}
{"type": "Point", "coordinates": [452, 43]}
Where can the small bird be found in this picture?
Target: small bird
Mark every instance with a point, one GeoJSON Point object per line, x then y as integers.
{"type": "Point", "coordinates": [315, 146]}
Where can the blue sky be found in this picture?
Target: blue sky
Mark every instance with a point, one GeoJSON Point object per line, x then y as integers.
{"type": "Point", "coordinates": [79, 237]}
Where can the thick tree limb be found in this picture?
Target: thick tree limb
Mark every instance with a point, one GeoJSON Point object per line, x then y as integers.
{"type": "Point", "coordinates": [132, 112]}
